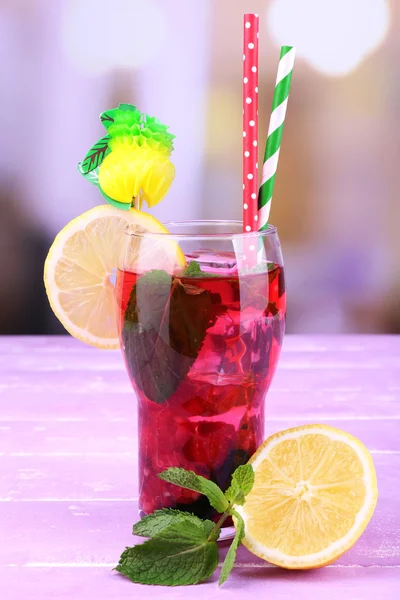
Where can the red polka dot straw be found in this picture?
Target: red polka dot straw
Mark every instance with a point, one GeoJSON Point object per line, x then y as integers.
{"type": "Point", "coordinates": [250, 122]}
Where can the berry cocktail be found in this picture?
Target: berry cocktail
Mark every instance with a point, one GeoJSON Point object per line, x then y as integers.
{"type": "Point", "coordinates": [201, 345]}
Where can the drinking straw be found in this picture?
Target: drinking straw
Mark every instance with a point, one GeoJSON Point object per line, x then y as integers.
{"type": "Point", "coordinates": [274, 138]}
{"type": "Point", "coordinates": [250, 121]}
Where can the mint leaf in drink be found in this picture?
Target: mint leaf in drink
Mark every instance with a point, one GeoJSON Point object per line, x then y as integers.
{"type": "Point", "coordinates": [197, 483]}
{"type": "Point", "coordinates": [231, 555]}
{"type": "Point", "coordinates": [272, 309]}
{"type": "Point", "coordinates": [164, 329]}
{"type": "Point", "coordinates": [241, 484]}
{"type": "Point", "coordinates": [158, 283]}
{"type": "Point", "coordinates": [194, 270]}
{"type": "Point", "coordinates": [181, 554]}
{"type": "Point", "coordinates": [262, 267]}
{"type": "Point", "coordinates": [153, 524]}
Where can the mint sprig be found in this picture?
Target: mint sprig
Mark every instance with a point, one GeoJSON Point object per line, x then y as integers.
{"type": "Point", "coordinates": [231, 555]}
{"type": "Point", "coordinates": [182, 548]}
{"type": "Point", "coordinates": [180, 554]}
{"type": "Point", "coordinates": [151, 525]}
{"type": "Point", "coordinates": [242, 482]}
{"type": "Point", "coordinates": [197, 483]}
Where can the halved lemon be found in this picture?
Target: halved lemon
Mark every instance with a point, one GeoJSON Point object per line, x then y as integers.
{"type": "Point", "coordinates": [314, 493]}
{"type": "Point", "coordinates": [82, 261]}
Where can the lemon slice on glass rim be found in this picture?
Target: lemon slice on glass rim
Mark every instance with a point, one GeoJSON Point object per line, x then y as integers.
{"type": "Point", "coordinates": [81, 264]}
{"type": "Point", "coordinates": [314, 493]}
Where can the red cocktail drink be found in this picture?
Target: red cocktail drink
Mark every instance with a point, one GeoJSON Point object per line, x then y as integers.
{"type": "Point", "coordinates": [201, 351]}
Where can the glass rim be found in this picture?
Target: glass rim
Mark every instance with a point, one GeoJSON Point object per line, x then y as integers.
{"type": "Point", "coordinates": [270, 230]}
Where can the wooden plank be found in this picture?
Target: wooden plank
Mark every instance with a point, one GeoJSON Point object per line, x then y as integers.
{"type": "Point", "coordinates": [78, 405]}
{"type": "Point", "coordinates": [76, 532]}
{"type": "Point", "coordinates": [105, 476]}
{"type": "Point", "coordinates": [68, 583]}
{"type": "Point", "coordinates": [105, 437]}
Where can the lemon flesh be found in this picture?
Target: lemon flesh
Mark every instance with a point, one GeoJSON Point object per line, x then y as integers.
{"type": "Point", "coordinates": [314, 493]}
{"type": "Point", "coordinates": [82, 262]}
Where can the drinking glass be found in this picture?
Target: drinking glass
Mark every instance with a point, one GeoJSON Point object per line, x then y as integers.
{"type": "Point", "coordinates": [201, 345]}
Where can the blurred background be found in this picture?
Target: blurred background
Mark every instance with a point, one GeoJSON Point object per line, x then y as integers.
{"type": "Point", "coordinates": [336, 200]}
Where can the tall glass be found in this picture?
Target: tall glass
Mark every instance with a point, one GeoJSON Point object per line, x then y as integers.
{"type": "Point", "coordinates": [201, 348]}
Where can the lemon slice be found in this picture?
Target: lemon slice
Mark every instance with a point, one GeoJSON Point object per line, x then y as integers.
{"type": "Point", "coordinates": [314, 493]}
{"type": "Point", "coordinates": [82, 261]}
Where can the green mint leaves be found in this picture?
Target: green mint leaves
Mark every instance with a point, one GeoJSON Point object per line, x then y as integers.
{"type": "Point", "coordinates": [231, 555]}
{"type": "Point", "coordinates": [179, 554]}
{"type": "Point", "coordinates": [242, 482]}
{"type": "Point", "coordinates": [165, 326]}
{"type": "Point", "coordinates": [95, 156]}
{"type": "Point", "coordinates": [194, 270]}
{"type": "Point", "coordinates": [191, 481]}
{"type": "Point", "coordinates": [182, 548]}
{"type": "Point", "coordinates": [263, 267]}
{"type": "Point", "coordinates": [151, 525]}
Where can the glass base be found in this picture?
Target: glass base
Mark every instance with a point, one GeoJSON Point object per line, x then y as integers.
{"type": "Point", "coordinates": [227, 534]}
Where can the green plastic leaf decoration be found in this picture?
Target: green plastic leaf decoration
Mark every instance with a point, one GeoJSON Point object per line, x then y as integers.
{"type": "Point", "coordinates": [151, 525]}
{"type": "Point", "coordinates": [130, 107]}
{"type": "Point", "coordinates": [197, 483]}
{"type": "Point", "coordinates": [115, 203]}
{"type": "Point", "coordinates": [129, 117]}
{"type": "Point", "coordinates": [107, 117]}
{"type": "Point", "coordinates": [180, 554]}
{"type": "Point", "coordinates": [131, 135]}
{"type": "Point", "coordinates": [153, 129]}
{"type": "Point", "coordinates": [95, 155]}
{"type": "Point", "coordinates": [128, 123]}
{"type": "Point", "coordinates": [92, 176]}
{"type": "Point", "coordinates": [231, 555]}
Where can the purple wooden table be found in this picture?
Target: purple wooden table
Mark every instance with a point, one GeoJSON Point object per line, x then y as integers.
{"type": "Point", "coordinates": [68, 492]}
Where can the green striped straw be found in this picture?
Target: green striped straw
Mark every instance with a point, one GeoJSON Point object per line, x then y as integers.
{"type": "Point", "coordinates": [274, 139]}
